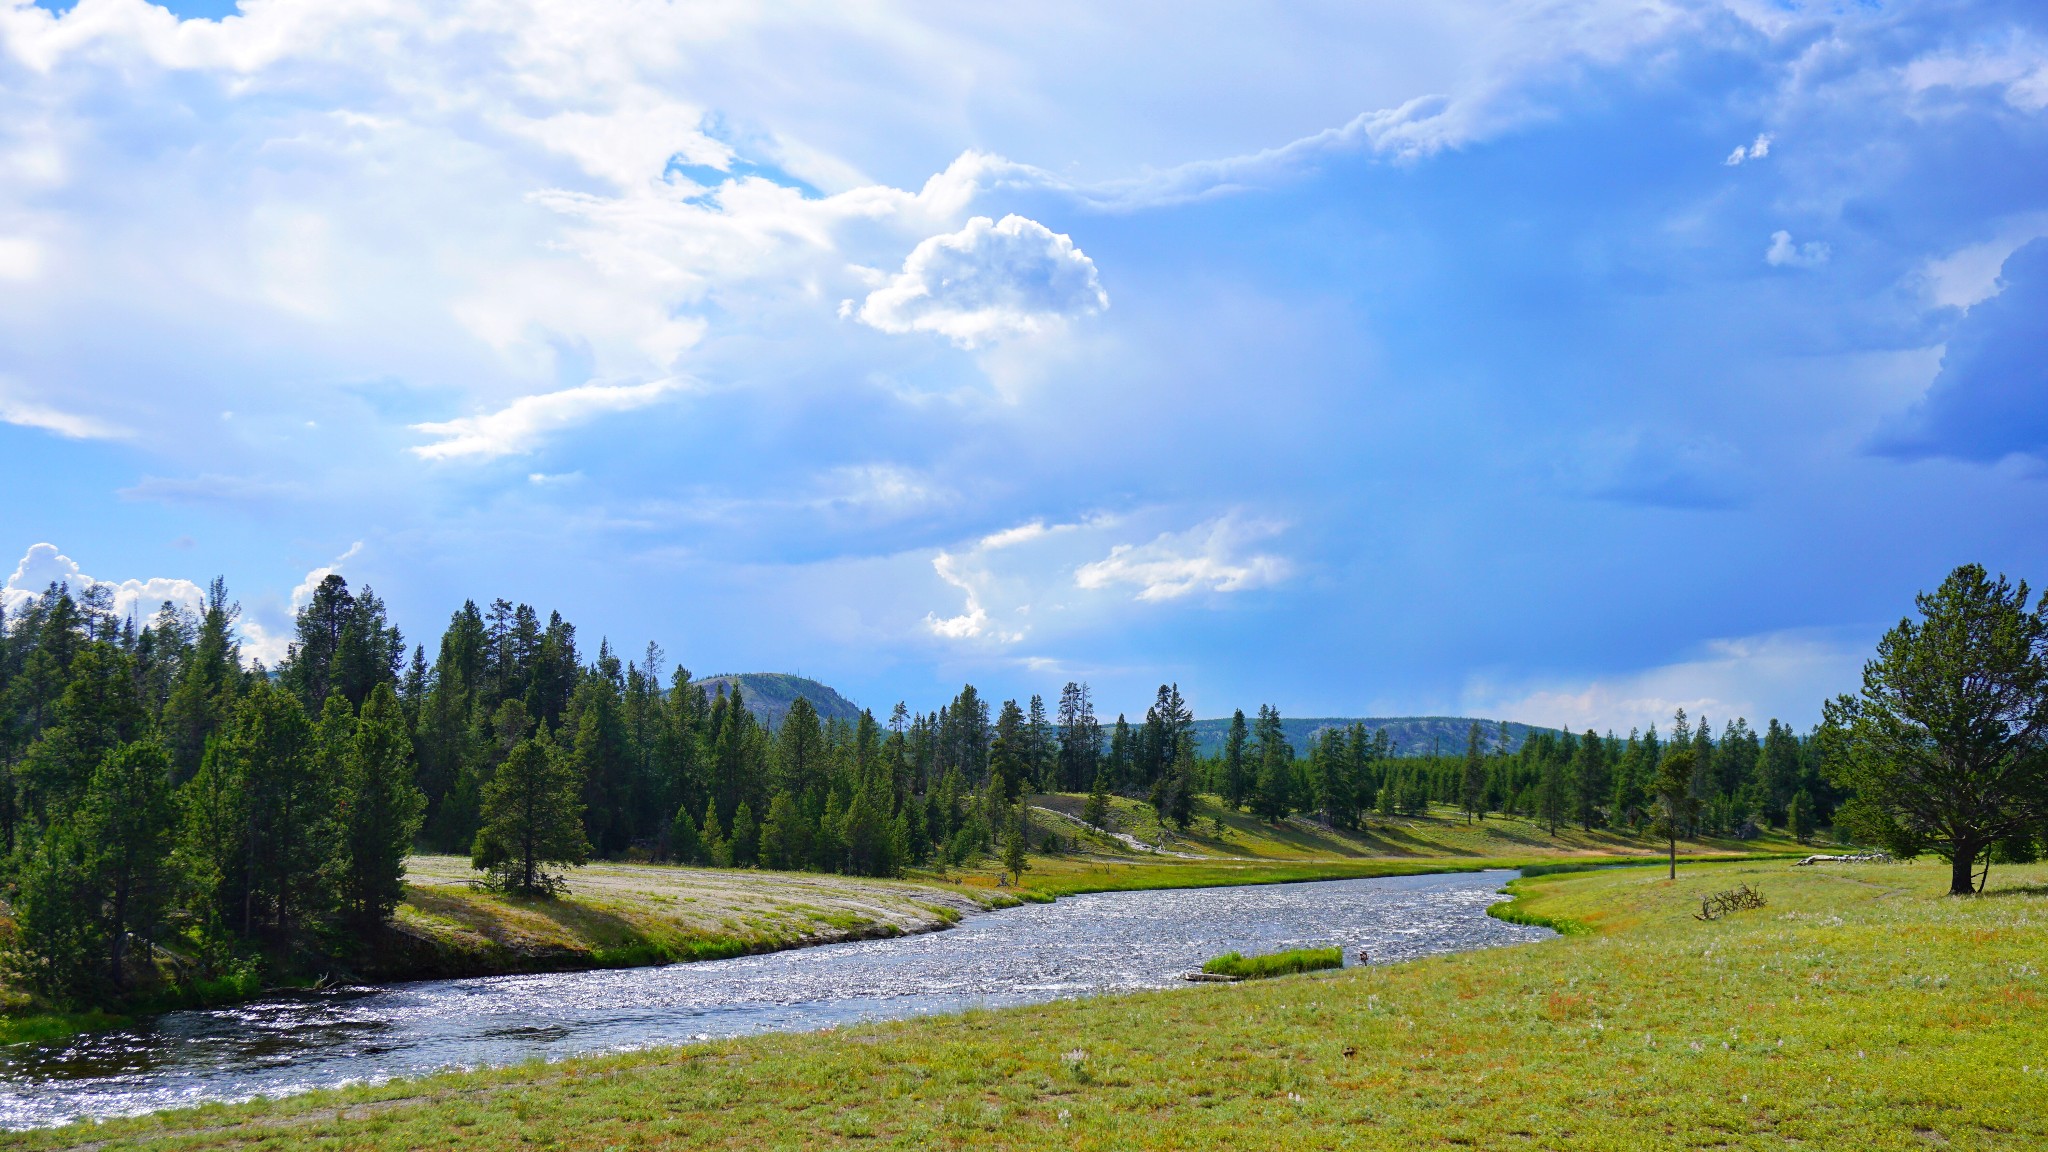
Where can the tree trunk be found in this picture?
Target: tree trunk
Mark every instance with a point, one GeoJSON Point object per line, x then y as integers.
{"type": "Point", "coordinates": [1962, 878]}
{"type": "Point", "coordinates": [1674, 855]}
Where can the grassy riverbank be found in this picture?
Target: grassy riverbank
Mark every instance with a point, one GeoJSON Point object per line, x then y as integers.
{"type": "Point", "coordinates": [1860, 1009]}
{"type": "Point", "coordinates": [618, 915]}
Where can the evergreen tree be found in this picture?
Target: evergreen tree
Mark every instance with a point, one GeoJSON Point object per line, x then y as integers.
{"type": "Point", "coordinates": [98, 877]}
{"type": "Point", "coordinates": [381, 810]}
{"type": "Point", "coordinates": [716, 851]}
{"type": "Point", "coordinates": [1080, 737]}
{"type": "Point", "coordinates": [785, 845]}
{"type": "Point", "coordinates": [1275, 798]}
{"type": "Point", "coordinates": [1553, 798]}
{"type": "Point", "coordinates": [1473, 792]}
{"type": "Point", "coordinates": [683, 844]}
{"type": "Point", "coordinates": [1946, 746]}
{"type": "Point", "coordinates": [1589, 778]}
{"type": "Point", "coordinates": [1799, 814]}
{"type": "Point", "coordinates": [532, 820]}
{"type": "Point", "coordinates": [800, 768]}
{"type": "Point", "coordinates": [203, 693]}
{"type": "Point", "coordinates": [745, 837]}
{"type": "Point", "coordinates": [1676, 804]}
{"type": "Point", "coordinates": [1014, 861]}
{"type": "Point", "coordinates": [60, 944]}
{"type": "Point", "coordinates": [870, 843]}
{"type": "Point", "coordinates": [287, 804]}
{"type": "Point", "coordinates": [1237, 775]}
{"type": "Point", "coordinates": [1097, 811]}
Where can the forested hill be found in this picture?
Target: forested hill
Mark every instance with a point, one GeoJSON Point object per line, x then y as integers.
{"type": "Point", "coordinates": [1412, 735]}
{"type": "Point", "coordinates": [769, 695]}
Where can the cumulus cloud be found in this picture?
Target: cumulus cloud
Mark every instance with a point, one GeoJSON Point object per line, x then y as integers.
{"type": "Point", "coordinates": [988, 281]}
{"type": "Point", "coordinates": [1785, 675]}
{"type": "Point", "coordinates": [43, 565]}
{"type": "Point", "coordinates": [519, 427]}
{"type": "Point", "coordinates": [1208, 557]}
{"type": "Point", "coordinates": [1783, 253]}
{"type": "Point", "coordinates": [1990, 399]}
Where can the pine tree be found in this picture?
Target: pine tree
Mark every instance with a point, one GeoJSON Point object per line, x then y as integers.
{"type": "Point", "coordinates": [1014, 861]}
{"type": "Point", "coordinates": [1553, 798]}
{"type": "Point", "coordinates": [715, 850]}
{"type": "Point", "coordinates": [60, 943]}
{"type": "Point", "coordinates": [381, 810]}
{"type": "Point", "coordinates": [1097, 811]}
{"type": "Point", "coordinates": [532, 819]}
{"type": "Point", "coordinates": [1799, 814]}
{"type": "Point", "coordinates": [98, 877]}
{"type": "Point", "coordinates": [1676, 805]}
{"type": "Point", "coordinates": [1589, 776]}
{"type": "Point", "coordinates": [1275, 796]}
{"type": "Point", "coordinates": [870, 844]}
{"type": "Point", "coordinates": [745, 838]}
{"type": "Point", "coordinates": [1473, 791]}
{"type": "Point", "coordinates": [683, 845]}
{"type": "Point", "coordinates": [1236, 775]}
{"type": "Point", "coordinates": [288, 794]}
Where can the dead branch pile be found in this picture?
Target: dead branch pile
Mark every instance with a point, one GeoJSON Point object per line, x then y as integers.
{"type": "Point", "coordinates": [1733, 900]}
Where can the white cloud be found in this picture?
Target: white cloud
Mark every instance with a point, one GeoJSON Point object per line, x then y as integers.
{"type": "Point", "coordinates": [988, 281]}
{"type": "Point", "coordinates": [1786, 675]}
{"type": "Point", "coordinates": [518, 427]}
{"type": "Point", "coordinates": [1210, 556]}
{"type": "Point", "coordinates": [1783, 253]}
{"type": "Point", "coordinates": [43, 565]}
{"type": "Point", "coordinates": [70, 425]}
{"type": "Point", "coordinates": [303, 594]}
{"type": "Point", "coordinates": [1969, 275]}
{"type": "Point", "coordinates": [973, 618]}
{"type": "Point", "coordinates": [2018, 69]}
{"type": "Point", "coordinates": [1757, 150]}
{"type": "Point", "coordinates": [1014, 587]}
{"type": "Point", "coordinates": [139, 600]}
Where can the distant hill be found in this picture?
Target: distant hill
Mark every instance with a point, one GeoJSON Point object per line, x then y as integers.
{"type": "Point", "coordinates": [1412, 735]}
{"type": "Point", "coordinates": [769, 695]}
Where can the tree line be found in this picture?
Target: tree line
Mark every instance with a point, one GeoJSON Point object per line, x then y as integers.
{"type": "Point", "coordinates": [165, 802]}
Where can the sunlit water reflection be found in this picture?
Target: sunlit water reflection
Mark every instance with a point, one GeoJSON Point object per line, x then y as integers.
{"type": "Point", "coordinates": [1082, 945]}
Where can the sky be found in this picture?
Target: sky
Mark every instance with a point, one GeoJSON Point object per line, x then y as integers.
{"type": "Point", "coordinates": [1566, 363]}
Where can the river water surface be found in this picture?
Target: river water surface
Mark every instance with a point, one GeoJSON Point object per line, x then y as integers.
{"type": "Point", "coordinates": [1081, 945]}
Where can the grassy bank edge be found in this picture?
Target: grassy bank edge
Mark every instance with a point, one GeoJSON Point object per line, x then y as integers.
{"type": "Point", "coordinates": [45, 1027]}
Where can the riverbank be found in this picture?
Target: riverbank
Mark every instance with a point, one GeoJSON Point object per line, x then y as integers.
{"type": "Point", "coordinates": [1860, 1008]}
{"type": "Point", "coordinates": [626, 915]}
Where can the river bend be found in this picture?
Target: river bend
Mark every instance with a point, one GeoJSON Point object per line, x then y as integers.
{"type": "Point", "coordinates": [1081, 945]}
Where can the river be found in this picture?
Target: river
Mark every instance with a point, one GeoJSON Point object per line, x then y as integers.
{"type": "Point", "coordinates": [1081, 945]}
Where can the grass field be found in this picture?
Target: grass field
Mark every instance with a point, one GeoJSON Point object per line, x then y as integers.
{"type": "Point", "coordinates": [1860, 1009]}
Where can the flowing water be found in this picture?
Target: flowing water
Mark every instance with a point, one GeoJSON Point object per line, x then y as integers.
{"type": "Point", "coordinates": [1081, 945]}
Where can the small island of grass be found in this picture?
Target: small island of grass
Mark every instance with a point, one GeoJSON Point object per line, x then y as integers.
{"type": "Point", "coordinates": [1241, 967]}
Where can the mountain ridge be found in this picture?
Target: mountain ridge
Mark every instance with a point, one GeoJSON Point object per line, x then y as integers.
{"type": "Point", "coordinates": [768, 695]}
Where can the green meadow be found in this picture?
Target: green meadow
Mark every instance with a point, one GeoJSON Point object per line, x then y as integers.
{"type": "Point", "coordinates": [1859, 1009]}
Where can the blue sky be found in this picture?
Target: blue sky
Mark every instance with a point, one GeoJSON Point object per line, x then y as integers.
{"type": "Point", "coordinates": [1567, 363]}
